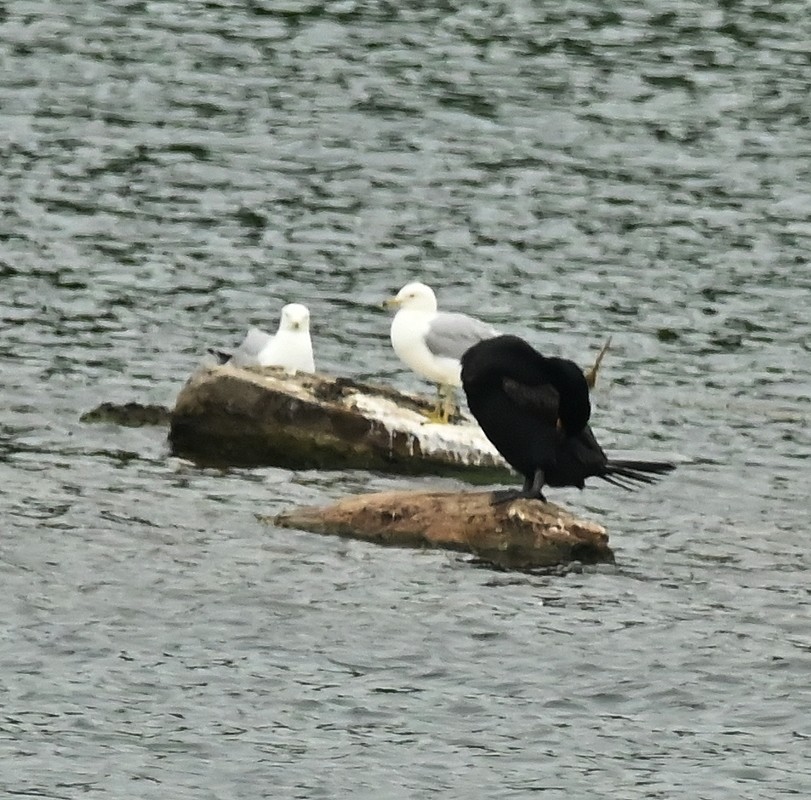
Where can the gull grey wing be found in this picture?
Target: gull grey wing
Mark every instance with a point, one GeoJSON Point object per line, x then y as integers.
{"type": "Point", "coordinates": [542, 400]}
{"type": "Point", "coordinates": [246, 354]}
{"type": "Point", "coordinates": [449, 335]}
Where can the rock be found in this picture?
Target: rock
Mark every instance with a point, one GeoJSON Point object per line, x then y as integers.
{"type": "Point", "coordinates": [131, 415]}
{"type": "Point", "coordinates": [517, 535]}
{"type": "Point", "coordinates": [225, 415]}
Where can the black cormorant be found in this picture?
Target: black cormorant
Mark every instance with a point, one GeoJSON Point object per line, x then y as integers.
{"type": "Point", "coordinates": [535, 410]}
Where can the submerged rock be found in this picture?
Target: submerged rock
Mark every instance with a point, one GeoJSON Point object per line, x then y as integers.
{"type": "Point", "coordinates": [130, 415]}
{"type": "Point", "coordinates": [521, 534]}
{"type": "Point", "coordinates": [225, 415]}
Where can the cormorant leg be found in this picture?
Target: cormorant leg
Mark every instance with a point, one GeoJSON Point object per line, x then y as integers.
{"type": "Point", "coordinates": [531, 490]}
{"type": "Point", "coordinates": [535, 486]}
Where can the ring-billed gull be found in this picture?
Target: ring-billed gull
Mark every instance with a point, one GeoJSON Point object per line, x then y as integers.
{"type": "Point", "coordinates": [290, 348]}
{"type": "Point", "coordinates": [431, 342]}
{"type": "Point", "coordinates": [535, 410]}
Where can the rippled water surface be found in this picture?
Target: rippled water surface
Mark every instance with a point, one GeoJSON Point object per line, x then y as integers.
{"type": "Point", "coordinates": [174, 171]}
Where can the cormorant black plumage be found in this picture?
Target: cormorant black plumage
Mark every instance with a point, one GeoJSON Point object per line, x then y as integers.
{"type": "Point", "coordinates": [535, 410]}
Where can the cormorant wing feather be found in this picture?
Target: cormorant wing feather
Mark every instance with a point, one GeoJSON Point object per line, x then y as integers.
{"type": "Point", "coordinates": [542, 400]}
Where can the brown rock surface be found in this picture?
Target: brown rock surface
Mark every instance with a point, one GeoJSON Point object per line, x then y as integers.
{"type": "Point", "coordinates": [515, 535]}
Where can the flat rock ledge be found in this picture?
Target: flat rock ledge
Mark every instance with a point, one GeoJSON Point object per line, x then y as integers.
{"type": "Point", "coordinates": [521, 534]}
{"type": "Point", "coordinates": [230, 416]}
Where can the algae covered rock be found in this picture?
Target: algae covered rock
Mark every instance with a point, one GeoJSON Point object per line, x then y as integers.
{"type": "Point", "coordinates": [230, 416]}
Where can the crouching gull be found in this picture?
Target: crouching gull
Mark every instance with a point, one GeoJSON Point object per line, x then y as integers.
{"type": "Point", "coordinates": [431, 342]}
{"type": "Point", "coordinates": [290, 348]}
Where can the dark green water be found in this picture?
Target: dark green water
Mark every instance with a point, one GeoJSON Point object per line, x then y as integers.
{"type": "Point", "coordinates": [173, 171]}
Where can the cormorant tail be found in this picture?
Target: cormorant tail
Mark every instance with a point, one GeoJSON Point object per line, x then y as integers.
{"type": "Point", "coordinates": [631, 474]}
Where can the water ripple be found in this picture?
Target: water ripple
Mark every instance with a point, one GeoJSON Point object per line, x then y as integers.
{"type": "Point", "coordinates": [174, 172]}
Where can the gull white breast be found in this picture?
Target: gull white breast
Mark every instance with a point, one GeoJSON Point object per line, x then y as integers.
{"type": "Point", "coordinates": [290, 347]}
{"type": "Point", "coordinates": [431, 342]}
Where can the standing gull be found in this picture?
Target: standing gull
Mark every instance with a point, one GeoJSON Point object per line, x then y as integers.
{"type": "Point", "coordinates": [431, 342]}
{"type": "Point", "coordinates": [290, 348]}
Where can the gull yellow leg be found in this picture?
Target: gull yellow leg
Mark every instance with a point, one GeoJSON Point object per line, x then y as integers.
{"type": "Point", "coordinates": [445, 406]}
{"type": "Point", "coordinates": [449, 405]}
{"type": "Point", "coordinates": [435, 415]}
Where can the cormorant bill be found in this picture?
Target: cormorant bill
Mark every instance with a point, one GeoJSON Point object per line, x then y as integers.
{"type": "Point", "coordinates": [535, 410]}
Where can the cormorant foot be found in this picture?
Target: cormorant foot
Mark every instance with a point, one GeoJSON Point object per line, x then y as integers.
{"type": "Point", "coordinates": [505, 496]}
{"type": "Point", "coordinates": [508, 495]}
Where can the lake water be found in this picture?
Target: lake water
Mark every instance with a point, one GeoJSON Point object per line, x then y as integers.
{"type": "Point", "coordinates": [175, 171]}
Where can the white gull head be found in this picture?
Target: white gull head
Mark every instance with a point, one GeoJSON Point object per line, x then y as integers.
{"type": "Point", "coordinates": [415, 296]}
{"type": "Point", "coordinates": [295, 317]}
